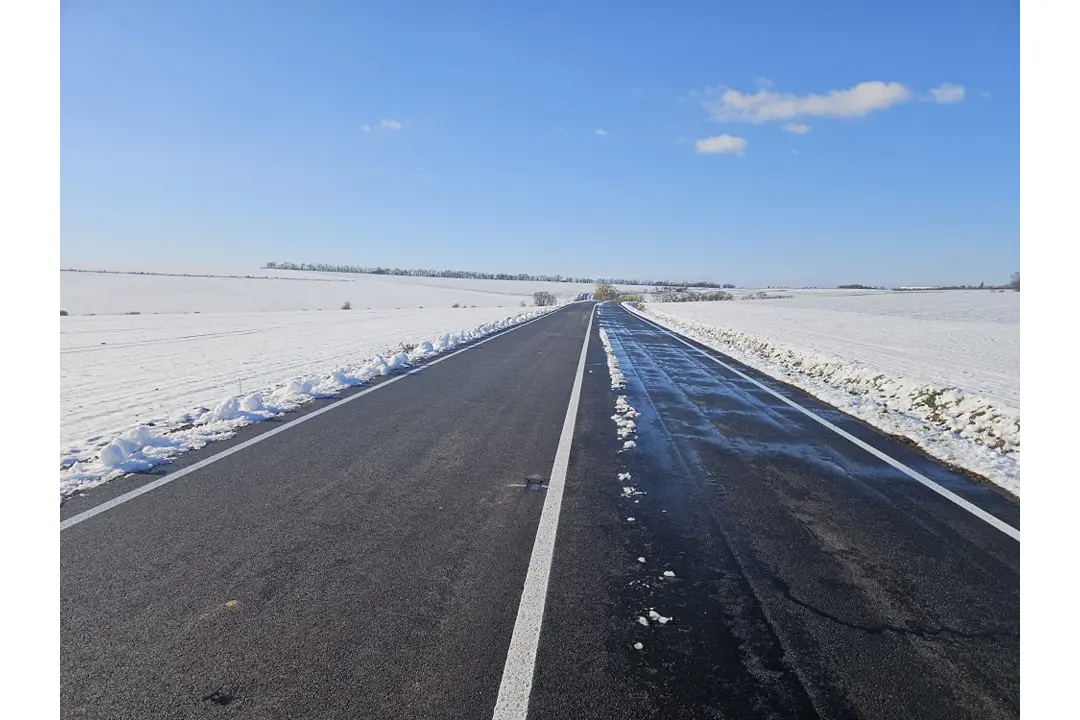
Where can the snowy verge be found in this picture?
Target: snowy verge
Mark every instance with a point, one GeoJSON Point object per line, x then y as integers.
{"type": "Point", "coordinates": [143, 446]}
{"type": "Point", "coordinates": [962, 429]}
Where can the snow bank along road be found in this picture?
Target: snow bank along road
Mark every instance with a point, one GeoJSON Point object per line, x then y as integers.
{"type": "Point", "coordinates": [719, 553]}
{"type": "Point", "coordinates": [940, 368]}
{"type": "Point", "coordinates": [139, 390]}
{"type": "Point", "coordinates": [943, 338]}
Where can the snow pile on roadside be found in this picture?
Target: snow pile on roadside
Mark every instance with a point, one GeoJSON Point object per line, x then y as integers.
{"type": "Point", "coordinates": [140, 448]}
{"type": "Point", "coordinates": [963, 429]}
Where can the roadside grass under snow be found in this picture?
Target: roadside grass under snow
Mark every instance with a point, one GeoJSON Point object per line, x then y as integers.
{"type": "Point", "coordinates": [136, 390]}
{"type": "Point", "coordinates": [938, 368]}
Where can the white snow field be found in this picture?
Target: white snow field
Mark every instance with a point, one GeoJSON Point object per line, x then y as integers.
{"type": "Point", "coordinates": [135, 390]}
{"type": "Point", "coordinates": [84, 293]}
{"type": "Point", "coordinates": [941, 368]}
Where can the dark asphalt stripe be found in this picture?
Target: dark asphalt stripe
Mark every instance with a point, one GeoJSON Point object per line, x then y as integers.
{"type": "Point", "coordinates": [952, 497]}
{"type": "Point", "coordinates": [178, 474]}
{"type": "Point", "coordinates": [517, 678]}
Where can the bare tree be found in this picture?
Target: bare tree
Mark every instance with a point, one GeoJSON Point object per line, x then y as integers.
{"type": "Point", "coordinates": [1014, 281]}
{"type": "Point", "coordinates": [605, 291]}
{"type": "Point", "coordinates": [542, 298]}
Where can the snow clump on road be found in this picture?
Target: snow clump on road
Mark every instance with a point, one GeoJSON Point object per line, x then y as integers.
{"type": "Point", "coordinates": [618, 380]}
{"type": "Point", "coordinates": [626, 427]}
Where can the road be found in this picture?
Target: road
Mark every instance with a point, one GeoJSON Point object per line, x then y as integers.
{"type": "Point", "coordinates": [370, 562]}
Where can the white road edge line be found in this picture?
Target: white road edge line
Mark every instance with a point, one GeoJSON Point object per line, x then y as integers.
{"type": "Point", "coordinates": [517, 677]}
{"type": "Point", "coordinates": [913, 474]}
{"type": "Point", "coordinates": [173, 476]}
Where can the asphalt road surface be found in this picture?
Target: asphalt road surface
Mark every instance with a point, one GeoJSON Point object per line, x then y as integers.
{"type": "Point", "coordinates": [370, 561]}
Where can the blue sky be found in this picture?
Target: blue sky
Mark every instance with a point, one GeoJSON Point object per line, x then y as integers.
{"type": "Point", "coordinates": [643, 139]}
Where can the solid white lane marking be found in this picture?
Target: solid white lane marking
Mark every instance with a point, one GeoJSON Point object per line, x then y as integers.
{"type": "Point", "coordinates": [913, 474]}
{"type": "Point", "coordinates": [517, 677]}
{"type": "Point", "coordinates": [173, 476]}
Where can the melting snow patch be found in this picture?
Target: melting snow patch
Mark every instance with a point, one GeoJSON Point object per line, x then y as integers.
{"type": "Point", "coordinates": [642, 621]}
{"type": "Point", "coordinates": [624, 415]}
{"type": "Point", "coordinates": [641, 559]}
{"type": "Point", "coordinates": [625, 425]}
{"type": "Point", "coordinates": [618, 380]}
{"type": "Point", "coordinates": [422, 351]}
{"type": "Point", "coordinates": [657, 617]}
{"type": "Point", "coordinates": [669, 574]}
{"type": "Point", "coordinates": [398, 361]}
{"type": "Point", "coordinates": [624, 476]}
{"type": "Point", "coordinates": [638, 646]}
{"type": "Point", "coordinates": [623, 407]}
{"type": "Point", "coordinates": [629, 519]}
{"type": "Point", "coordinates": [138, 449]}
{"type": "Point", "coordinates": [626, 428]}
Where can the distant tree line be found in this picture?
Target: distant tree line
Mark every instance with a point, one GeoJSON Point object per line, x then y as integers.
{"type": "Point", "coordinates": [474, 275]}
{"type": "Point", "coordinates": [195, 275]}
{"type": "Point", "coordinates": [1013, 284]}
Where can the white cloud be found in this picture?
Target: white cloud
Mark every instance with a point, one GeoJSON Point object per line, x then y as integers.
{"type": "Point", "coordinates": [797, 128]}
{"type": "Point", "coordinates": [384, 124]}
{"type": "Point", "coordinates": [766, 105]}
{"type": "Point", "coordinates": [947, 93]}
{"type": "Point", "coordinates": [601, 131]}
{"type": "Point", "coordinates": [720, 145]}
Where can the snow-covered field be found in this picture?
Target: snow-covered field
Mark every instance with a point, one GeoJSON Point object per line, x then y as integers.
{"type": "Point", "coordinates": [941, 368]}
{"type": "Point", "coordinates": [138, 389]}
{"type": "Point", "coordinates": [84, 293]}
